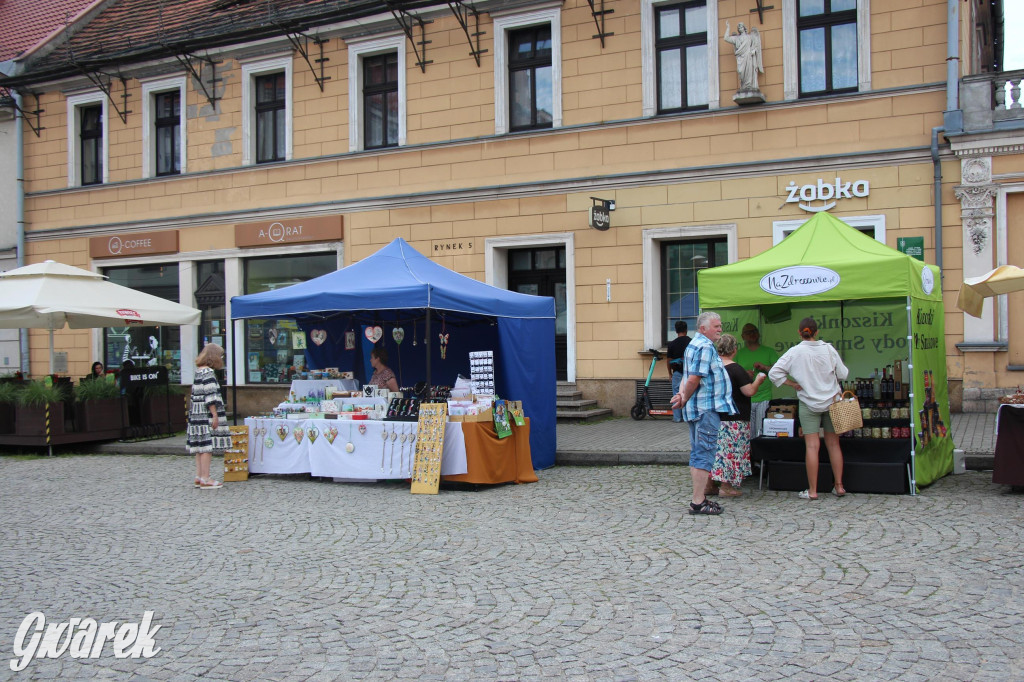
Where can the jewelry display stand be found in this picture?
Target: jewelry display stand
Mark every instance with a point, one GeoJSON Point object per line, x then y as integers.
{"type": "Point", "coordinates": [481, 371]}
{"type": "Point", "coordinates": [236, 458]}
{"type": "Point", "coordinates": [426, 472]}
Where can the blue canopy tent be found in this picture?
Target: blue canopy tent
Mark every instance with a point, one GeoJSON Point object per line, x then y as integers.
{"type": "Point", "coordinates": [398, 286]}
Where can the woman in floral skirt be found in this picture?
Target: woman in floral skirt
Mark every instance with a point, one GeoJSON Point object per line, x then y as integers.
{"type": "Point", "coordinates": [732, 463]}
{"type": "Point", "coordinates": [207, 423]}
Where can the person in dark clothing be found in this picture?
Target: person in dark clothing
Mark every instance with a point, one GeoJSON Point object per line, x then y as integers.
{"type": "Point", "coordinates": [674, 357]}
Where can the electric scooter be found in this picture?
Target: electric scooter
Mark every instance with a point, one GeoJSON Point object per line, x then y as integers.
{"type": "Point", "coordinates": [643, 406]}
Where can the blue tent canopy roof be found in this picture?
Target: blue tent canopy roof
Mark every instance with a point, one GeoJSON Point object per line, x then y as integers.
{"type": "Point", "coordinates": [395, 278]}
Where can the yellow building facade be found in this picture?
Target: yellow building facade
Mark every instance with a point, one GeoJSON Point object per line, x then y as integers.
{"type": "Point", "coordinates": [504, 203]}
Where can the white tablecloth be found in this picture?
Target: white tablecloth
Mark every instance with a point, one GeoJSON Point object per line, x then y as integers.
{"type": "Point", "coordinates": [372, 458]}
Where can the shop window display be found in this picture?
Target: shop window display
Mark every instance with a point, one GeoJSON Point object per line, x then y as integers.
{"type": "Point", "coordinates": [146, 346]}
{"type": "Point", "coordinates": [275, 349]}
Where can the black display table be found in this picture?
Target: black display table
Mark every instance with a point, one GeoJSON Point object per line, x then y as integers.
{"type": "Point", "coordinates": [1008, 467]}
{"type": "Point", "coordinates": [870, 465]}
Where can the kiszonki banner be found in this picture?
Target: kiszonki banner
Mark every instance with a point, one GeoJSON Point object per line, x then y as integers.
{"type": "Point", "coordinates": [876, 305]}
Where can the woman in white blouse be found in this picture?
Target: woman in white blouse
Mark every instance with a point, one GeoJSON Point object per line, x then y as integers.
{"type": "Point", "coordinates": [814, 369]}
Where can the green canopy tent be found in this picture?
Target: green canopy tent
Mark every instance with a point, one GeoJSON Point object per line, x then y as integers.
{"type": "Point", "coordinates": [873, 303]}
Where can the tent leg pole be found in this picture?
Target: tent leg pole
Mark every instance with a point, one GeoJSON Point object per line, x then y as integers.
{"type": "Point", "coordinates": [427, 349]}
{"type": "Point", "coordinates": [234, 379]}
{"type": "Point", "coordinates": [912, 467]}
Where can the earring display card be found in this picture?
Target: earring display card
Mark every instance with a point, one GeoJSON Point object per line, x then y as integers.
{"type": "Point", "coordinates": [481, 371]}
{"type": "Point", "coordinates": [236, 458]}
{"type": "Point", "coordinates": [426, 470]}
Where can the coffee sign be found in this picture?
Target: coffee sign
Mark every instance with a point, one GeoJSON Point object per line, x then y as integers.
{"type": "Point", "coordinates": [137, 244]}
{"type": "Point", "coordinates": [289, 231]}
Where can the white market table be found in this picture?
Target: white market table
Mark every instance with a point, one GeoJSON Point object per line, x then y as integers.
{"type": "Point", "coordinates": [304, 446]}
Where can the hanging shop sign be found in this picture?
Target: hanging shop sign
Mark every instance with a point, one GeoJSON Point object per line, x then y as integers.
{"type": "Point", "coordinates": [800, 280]}
{"type": "Point", "coordinates": [289, 231]}
{"type": "Point", "coordinates": [138, 244]}
{"type": "Point", "coordinates": [828, 194]}
{"type": "Point", "coordinates": [600, 218]}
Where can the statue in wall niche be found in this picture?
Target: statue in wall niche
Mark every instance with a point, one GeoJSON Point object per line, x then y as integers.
{"type": "Point", "coordinates": [747, 45]}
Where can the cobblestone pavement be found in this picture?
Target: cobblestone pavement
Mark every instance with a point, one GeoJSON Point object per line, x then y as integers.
{"type": "Point", "coordinates": [594, 573]}
{"type": "Point", "coordinates": [660, 441]}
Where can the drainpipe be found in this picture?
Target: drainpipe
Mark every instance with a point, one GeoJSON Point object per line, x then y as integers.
{"type": "Point", "coordinates": [937, 200]}
{"type": "Point", "coordinates": [952, 117]}
{"type": "Point", "coordinates": [953, 60]}
{"type": "Point", "coordinates": [19, 213]}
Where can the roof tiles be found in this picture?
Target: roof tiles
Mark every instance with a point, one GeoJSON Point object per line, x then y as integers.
{"type": "Point", "coordinates": [23, 23]}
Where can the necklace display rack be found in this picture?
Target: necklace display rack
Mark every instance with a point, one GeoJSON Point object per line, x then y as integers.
{"type": "Point", "coordinates": [427, 448]}
{"type": "Point", "coordinates": [236, 458]}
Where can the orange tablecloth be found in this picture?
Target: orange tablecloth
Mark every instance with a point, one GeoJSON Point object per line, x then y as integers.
{"type": "Point", "coordinates": [490, 459]}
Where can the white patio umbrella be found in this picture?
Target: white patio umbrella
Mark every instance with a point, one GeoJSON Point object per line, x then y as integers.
{"type": "Point", "coordinates": [51, 295]}
{"type": "Point", "coordinates": [973, 292]}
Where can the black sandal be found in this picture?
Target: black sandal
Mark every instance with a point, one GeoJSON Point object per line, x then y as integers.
{"type": "Point", "coordinates": [706, 507]}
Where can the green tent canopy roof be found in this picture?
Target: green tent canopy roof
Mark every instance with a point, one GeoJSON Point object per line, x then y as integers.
{"type": "Point", "coordinates": [823, 260]}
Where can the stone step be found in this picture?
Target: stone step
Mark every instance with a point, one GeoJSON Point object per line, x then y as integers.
{"type": "Point", "coordinates": [567, 391]}
{"type": "Point", "coordinates": [574, 404]}
{"type": "Point", "coordinates": [580, 416]}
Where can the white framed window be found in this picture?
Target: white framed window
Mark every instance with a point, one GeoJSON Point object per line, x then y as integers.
{"type": "Point", "coordinates": [503, 25]}
{"type": "Point", "coordinates": [653, 240]}
{"type": "Point", "coordinates": [871, 225]}
{"type": "Point", "coordinates": [649, 55]}
{"type": "Point", "coordinates": [281, 132]}
{"type": "Point", "coordinates": [791, 37]}
{"type": "Point", "coordinates": [358, 51]}
{"type": "Point", "coordinates": [88, 139]}
{"type": "Point", "coordinates": [496, 274]}
{"type": "Point", "coordinates": [163, 142]}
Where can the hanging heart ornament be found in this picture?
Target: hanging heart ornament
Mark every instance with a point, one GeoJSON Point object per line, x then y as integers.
{"type": "Point", "coordinates": [330, 434]}
{"type": "Point", "coordinates": [318, 336]}
{"type": "Point", "coordinates": [298, 432]}
{"type": "Point", "coordinates": [374, 334]}
{"type": "Point", "coordinates": [312, 432]}
{"type": "Point", "coordinates": [398, 334]}
{"type": "Point", "coordinates": [282, 432]}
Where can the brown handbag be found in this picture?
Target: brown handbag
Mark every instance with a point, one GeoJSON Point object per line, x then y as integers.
{"type": "Point", "coordinates": [845, 413]}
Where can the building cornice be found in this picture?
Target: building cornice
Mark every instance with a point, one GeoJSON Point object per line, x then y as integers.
{"type": "Point", "coordinates": [842, 162]}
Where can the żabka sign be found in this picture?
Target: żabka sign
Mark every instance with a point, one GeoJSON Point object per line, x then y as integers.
{"type": "Point", "coordinates": [800, 280]}
{"type": "Point", "coordinates": [802, 196]}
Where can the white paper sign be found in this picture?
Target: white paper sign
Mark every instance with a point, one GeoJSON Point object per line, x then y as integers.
{"type": "Point", "coordinates": [800, 280]}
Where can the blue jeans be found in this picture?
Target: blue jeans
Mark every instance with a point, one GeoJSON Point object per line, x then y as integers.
{"type": "Point", "coordinates": [704, 440]}
{"type": "Point", "coordinates": [677, 381]}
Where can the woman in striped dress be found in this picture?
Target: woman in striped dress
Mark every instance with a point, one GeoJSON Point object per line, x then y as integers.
{"type": "Point", "coordinates": [207, 423]}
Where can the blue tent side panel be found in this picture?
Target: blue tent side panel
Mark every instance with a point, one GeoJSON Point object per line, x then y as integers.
{"type": "Point", "coordinates": [529, 376]}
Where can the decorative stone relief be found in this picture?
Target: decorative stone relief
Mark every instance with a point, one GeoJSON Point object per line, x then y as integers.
{"type": "Point", "coordinates": [976, 171]}
{"type": "Point", "coordinates": [977, 230]}
{"type": "Point", "coordinates": [977, 196]}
